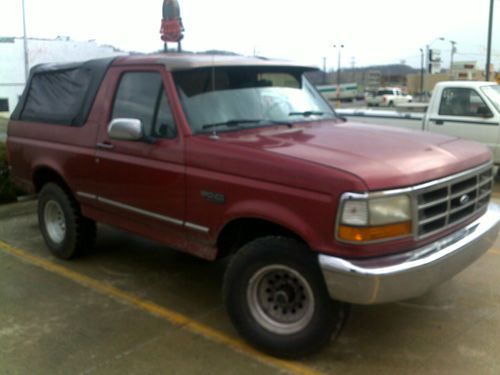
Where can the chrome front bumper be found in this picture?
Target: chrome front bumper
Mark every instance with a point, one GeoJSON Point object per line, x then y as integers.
{"type": "Point", "coordinates": [411, 274]}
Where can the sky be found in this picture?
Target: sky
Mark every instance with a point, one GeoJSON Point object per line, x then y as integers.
{"type": "Point", "coordinates": [372, 31]}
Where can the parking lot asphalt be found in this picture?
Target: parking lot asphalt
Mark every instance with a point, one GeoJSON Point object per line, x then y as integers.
{"type": "Point", "coordinates": [132, 306]}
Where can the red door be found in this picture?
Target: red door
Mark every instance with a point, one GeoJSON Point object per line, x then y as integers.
{"type": "Point", "coordinates": [141, 184]}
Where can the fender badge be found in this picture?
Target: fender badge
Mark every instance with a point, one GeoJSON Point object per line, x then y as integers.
{"type": "Point", "coordinates": [212, 197]}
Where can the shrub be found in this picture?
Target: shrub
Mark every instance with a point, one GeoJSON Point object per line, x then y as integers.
{"type": "Point", "coordinates": [7, 190]}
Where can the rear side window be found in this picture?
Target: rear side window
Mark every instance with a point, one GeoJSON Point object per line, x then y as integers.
{"type": "Point", "coordinates": [141, 96]}
{"type": "Point", "coordinates": [62, 94]}
{"type": "Point", "coordinates": [57, 96]}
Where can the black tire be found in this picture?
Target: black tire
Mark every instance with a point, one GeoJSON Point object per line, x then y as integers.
{"type": "Point", "coordinates": [66, 232]}
{"type": "Point", "coordinates": [277, 271]}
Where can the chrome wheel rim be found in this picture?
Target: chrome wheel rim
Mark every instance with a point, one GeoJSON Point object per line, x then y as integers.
{"type": "Point", "coordinates": [280, 299]}
{"type": "Point", "coordinates": [55, 221]}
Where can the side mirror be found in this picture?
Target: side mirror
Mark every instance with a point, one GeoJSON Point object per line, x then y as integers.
{"type": "Point", "coordinates": [484, 112]}
{"type": "Point", "coordinates": [126, 129]}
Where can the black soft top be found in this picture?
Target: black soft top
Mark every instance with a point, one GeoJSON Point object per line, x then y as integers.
{"type": "Point", "coordinates": [61, 93]}
{"type": "Point", "coordinates": [64, 93]}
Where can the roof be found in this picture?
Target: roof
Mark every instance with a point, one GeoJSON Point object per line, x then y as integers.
{"type": "Point", "coordinates": [389, 88]}
{"type": "Point", "coordinates": [183, 61]}
{"type": "Point", "coordinates": [65, 93]}
{"type": "Point", "coordinates": [472, 84]}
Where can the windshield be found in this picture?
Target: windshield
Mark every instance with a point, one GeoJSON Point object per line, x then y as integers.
{"type": "Point", "coordinates": [385, 92]}
{"type": "Point", "coordinates": [248, 97]}
{"type": "Point", "coordinates": [493, 94]}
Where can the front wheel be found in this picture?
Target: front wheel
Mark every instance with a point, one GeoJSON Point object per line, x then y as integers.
{"type": "Point", "coordinates": [277, 299]}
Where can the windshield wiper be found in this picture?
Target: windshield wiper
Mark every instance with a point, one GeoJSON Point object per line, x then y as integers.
{"type": "Point", "coordinates": [229, 123]}
{"type": "Point", "coordinates": [237, 122]}
{"type": "Point", "coordinates": [306, 113]}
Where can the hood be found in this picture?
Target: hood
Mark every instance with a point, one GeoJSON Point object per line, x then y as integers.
{"type": "Point", "coordinates": [383, 157]}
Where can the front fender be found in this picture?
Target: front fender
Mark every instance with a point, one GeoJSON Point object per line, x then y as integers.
{"type": "Point", "coordinates": [284, 216]}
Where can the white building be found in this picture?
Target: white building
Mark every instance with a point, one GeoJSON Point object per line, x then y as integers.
{"type": "Point", "coordinates": [469, 70]}
{"type": "Point", "coordinates": [466, 70]}
{"type": "Point", "coordinates": [59, 50]}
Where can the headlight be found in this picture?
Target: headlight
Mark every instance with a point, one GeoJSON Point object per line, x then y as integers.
{"type": "Point", "coordinates": [389, 210]}
{"type": "Point", "coordinates": [366, 219]}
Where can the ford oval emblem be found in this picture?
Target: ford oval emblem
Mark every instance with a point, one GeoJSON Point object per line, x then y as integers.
{"type": "Point", "coordinates": [464, 199]}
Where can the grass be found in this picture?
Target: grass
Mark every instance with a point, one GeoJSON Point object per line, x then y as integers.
{"type": "Point", "coordinates": [3, 124]}
{"type": "Point", "coordinates": [8, 192]}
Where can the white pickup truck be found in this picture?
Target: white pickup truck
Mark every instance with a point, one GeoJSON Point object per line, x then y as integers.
{"type": "Point", "coordinates": [465, 109]}
{"type": "Point", "coordinates": [388, 97]}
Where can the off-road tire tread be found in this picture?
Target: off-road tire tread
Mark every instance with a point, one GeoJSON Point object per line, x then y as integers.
{"type": "Point", "coordinates": [328, 319]}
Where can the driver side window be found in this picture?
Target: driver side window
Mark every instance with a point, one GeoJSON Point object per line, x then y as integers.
{"type": "Point", "coordinates": [141, 95]}
{"type": "Point", "coordinates": [458, 101]}
{"type": "Point", "coordinates": [164, 125]}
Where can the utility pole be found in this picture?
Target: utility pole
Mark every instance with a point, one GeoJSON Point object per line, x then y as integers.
{"type": "Point", "coordinates": [25, 42]}
{"type": "Point", "coordinates": [488, 50]}
{"type": "Point", "coordinates": [324, 70]}
{"type": "Point", "coordinates": [353, 67]}
{"type": "Point", "coordinates": [339, 47]}
{"type": "Point", "coordinates": [453, 50]}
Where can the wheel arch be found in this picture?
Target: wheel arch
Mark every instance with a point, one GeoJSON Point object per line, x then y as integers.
{"type": "Point", "coordinates": [44, 174]}
{"type": "Point", "coordinates": [239, 231]}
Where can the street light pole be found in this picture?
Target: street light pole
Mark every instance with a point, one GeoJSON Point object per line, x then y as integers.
{"type": "Point", "coordinates": [340, 46]}
{"type": "Point", "coordinates": [488, 50]}
{"type": "Point", "coordinates": [428, 53]}
{"type": "Point", "coordinates": [25, 42]}
{"type": "Point", "coordinates": [421, 73]}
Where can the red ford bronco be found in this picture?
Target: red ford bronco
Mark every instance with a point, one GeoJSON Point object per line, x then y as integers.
{"type": "Point", "coordinates": [241, 157]}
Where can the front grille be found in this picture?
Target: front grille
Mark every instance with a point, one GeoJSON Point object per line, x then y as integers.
{"type": "Point", "coordinates": [455, 199]}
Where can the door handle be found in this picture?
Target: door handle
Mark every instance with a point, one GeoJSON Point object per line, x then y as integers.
{"type": "Point", "coordinates": [105, 145]}
{"type": "Point", "coordinates": [439, 122]}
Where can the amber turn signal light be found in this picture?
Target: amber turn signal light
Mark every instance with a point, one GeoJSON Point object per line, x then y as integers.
{"type": "Point", "coordinates": [374, 233]}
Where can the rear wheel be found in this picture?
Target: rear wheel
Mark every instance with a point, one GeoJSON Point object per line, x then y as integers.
{"type": "Point", "coordinates": [66, 232]}
{"type": "Point", "coordinates": [277, 299]}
